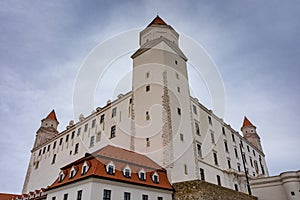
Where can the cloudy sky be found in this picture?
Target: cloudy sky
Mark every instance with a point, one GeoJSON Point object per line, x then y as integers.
{"type": "Point", "coordinates": [254, 44]}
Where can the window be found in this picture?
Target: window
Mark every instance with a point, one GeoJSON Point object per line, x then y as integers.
{"type": "Point", "coordinates": [60, 141]}
{"type": "Point", "coordinates": [72, 172]}
{"type": "Point", "coordinates": [178, 89]}
{"type": "Point", "coordinates": [110, 169]}
{"type": "Point", "coordinates": [236, 152]}
{"type": "Point", "coordinates": [215, 158]}
{"type": "Point", "coordinates": [229, 163]}
{"type": "Point", "coordinates": [114, 112]}
{"type": "Point", "coordinates": [179, 111]}
{"type": "Point", "coordinates": [147, 142]}
{"type": "Point", "coordinates": [253, 152]}
{"type": "Point", "coordinates": [130, 101]}
{"type": "Point", "coordinates": [86, 127]}
{"type": "Point", "coordinates": [78, 131]}
{"type": "Point", "coordinates": [177, 76]}
{"type": "Point", "coordinates": [236, 187]}
{"type": "Point", "coordinates": [48, 149]}
{"type": "Point", "coordinates": [202, 177]}
{"type": "Point", "coordinates": [61, 176]}
{"type": "Point", "coordinates": [44, 150]}
{"type": "Point", "coordinates": [72, 135]}
{"type": "Point", "coordinates": [248, 148]}
{"type": "Point", "coordinates": [144, 197]}
{"type": "Point", "coordinates": [239, 167]}
{"type": "Point", "coordinates": [147, 116]}
{"type": "Point", "coordinates": [256, 166]}
{"type": "Point", "coordinates": [223, 131]}
{"type": "Point", "coordinates": [127, 172]}
{"type": "Point", "coordinates": [84, 169]}
{"type": "Point", "coordinates": [106, 194]}
{"type": "Point", "coordinates": [226, 146]}
{"type": "Point", "coordinates": [67, 138]}
{"type": "Point", "coordinates": [76, 148]}
{"type": "Point", "coordinates": [219, 180]}
{"type": "Point", "coordinates": [233, 138]}
{"type": "Point", "coordinates": [147, 74]}
{"type": "Point", "coordinates": [194, 109]}
{"type": "Point", "coordinates": [142, 176]}
{"type": "Point", "coordinates": [92, 141]}
{"type": "Point", "coordinates": [40, 152]}
{"type": "Point", "coordinates": [98, 137]}
{"type": "Point", "coordinates": [176, 62]}
{"type": "Point", "coordinates": [102, 119]}
{"type": "Point", "coordinates": [181, 136]}
{"type": "Point", "coordinates": [126, 196]}
{"type": "Point", "coordinates": [79, 194]}
{"type": "Point", "coordinates": [293, 193]}
{"type": "Point", "coordinates": [54, 145]}
{"type": "Point", "coordinates": [199, 150]}
{"type": "Point", "coordinates": [155, 177]}
{"type": "Point", "coordinates": [209, 120]}
{"type": "Point", "coordinates": [212, 136]}
{"type": "Point", "coordinates": [147, 88]}
{"type": "Point", "coordinates": [37, 164]}
{"type": "Point", "coordinates": [197, 128]}
{"type": "Point", "coordinates": [159, 198]}
{"type": "Point", "coordinates": [53, 159]}
{"type": "Point", "coordinates": [113, 132]}
{"type": "Point", "coordinates": [66, 196]}
{"type": "Point", "coordinates": [185, 169]}
{"type": "Point", "coordinates": [53, 198]}
{"type": "Point", "coordinates": [244, 158]}
{"type": "Point", "coordinates": [251, 162]}
{"type": "Point", "coordinates": [93, 123]}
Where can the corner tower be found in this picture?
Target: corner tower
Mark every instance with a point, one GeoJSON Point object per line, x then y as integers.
{"type": "Point", "coordinates": [48, 129]}
{"type": "Point", "coordinates": [250, 134]}
{"type": "Point", "coordinates": [161, 108]}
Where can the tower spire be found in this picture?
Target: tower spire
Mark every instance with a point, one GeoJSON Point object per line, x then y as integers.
{"type": "Point", "coordinates": [250, 134]}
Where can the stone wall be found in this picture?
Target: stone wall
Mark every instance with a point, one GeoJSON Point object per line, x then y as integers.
{"type": "Point", "coordinates": [201, 190]}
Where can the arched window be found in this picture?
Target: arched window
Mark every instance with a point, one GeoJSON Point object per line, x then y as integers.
{"type": "Point", "coordinates": [110, 168]}
{"type": "Point", "coordinates": [85, 168]}
{"type": "Point", "coordinates": [155, 178]}
{"type": "Point", "coordinates": [127, 172]}
{"type": "Point", "coordinates": [73, 172]}
{"type": "Point", "coordinates": [142, 175]}
{"type": "Point", "coordinates": [61, 176]}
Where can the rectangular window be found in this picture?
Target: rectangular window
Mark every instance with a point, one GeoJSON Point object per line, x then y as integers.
{"type": "Point", "coordinates": [53, 198]}
{"type": "Point", "coordinates": [44, 150]}
{"type": "Point", "coordinates": [185, 169]}
{"type": "Point", "coordinates": [40, 152]}
{"type": "Point", "coordinates": [202, 176]}
{"type": "Point", "coordinates": [223, 131]}
{"type": "Point", "coordinates": [37, 164]}
{"type": "Point", "coordinates": [126, 196]}
{"type": "Point", "coordinates": [65, 196]}
{"type": "Point", "coordinates": [177, 76]}
{"type": "Point", "coordinates": [67, 138]}
{"type": "Point", "coordinates": [253, 152]}
{"type": "Point", "coordinates": [195, 109]}
{"type": "Point", "coordinates": [179, 111]}
{"type": "Point", "coordinates": [107, 194]}
{"type": "Point", "coordinates": [102, 119]}
{"type": "Point", "coordinates": [92, 141]}
{"type": "Point", "coordinates": [178, 89]}
{"type": "Point", "coordinates": [113, 112]}
{"type": "Point", "coordinates": [226, 146]}
{"type": "Point", "coordinates": [76, 148]}
{"type": "Point", "coordinates": [236, 152]}
{"type": "Point", "coordinates": [199, 150]}
{"type": "Point", "coordinates": [147, 142]}
{"type": "Point", "coordinates": [197, 128]}
{"type": "Point", "coordinates": [159, 198]}
{"type": "Point", "coordinates": [147, 88]}
{"type": "Point", "coordinates": [219, 180]}
{"type": "Point", "coordinates": [60, 141]}
{"type": "Point", "coordinates": [181, 137]}
{"type": "Point", "coordinates": [72, 135]}
{"type": "Point", "coordinates": [239, 167]}
{"type": "Point", "coordinates": [229, 163]}
{"type": "Point", "coordinates": [79, 194]}
{"type": "Point", "coordinates": [209, 120]}
{"type": "Point", "coordinates": [233, 138]}
{"type": "Point", "coordinates": [144, 197]}
{"type": "Point", "coordinates": [98, 138]}
{"type": "Point", "coordinates": [86, 127]}
{"type": "Point", "coordinates": [54, 145]}
{"type": "Point", "coordinates": [215, 158]}
{"type": "Point", "coordinates": [93, 123]}
{"type": "Point", "coordinates": [48, 149]}
{"type": "Point", "coordinates": [236, 187]}
{"type": "Point", "coordinates": [113, 131]}
{"type": "Point", "coordinates": [248, 148]}
{"type": "Point", "coordinates": [78, 131]}
{"type": "Point", "coordinates": [147, 74]}
{"type": "Point", "coordinates": [53, 159]}
{"type": "Point", "coordinates": [212, 136]}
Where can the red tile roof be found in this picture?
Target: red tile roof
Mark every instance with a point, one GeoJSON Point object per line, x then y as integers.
{"type": "Point", "coordinates": [247, 122]}
{"type": "Point", "coordinates": [157, 21]}
{"type": "Point", "coordinates": [52, 116]}
{"type": "Point", "coordinates": [98, 160]}
{"type": "Point", "coordinates": [5, 196]}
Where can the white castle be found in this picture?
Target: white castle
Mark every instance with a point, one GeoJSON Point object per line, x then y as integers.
{"type": "Point", "coordinates": [158, 118]}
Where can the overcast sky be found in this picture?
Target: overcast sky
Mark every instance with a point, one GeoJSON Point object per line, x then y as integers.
{"type": "Point", "coordinates": [254, 44]}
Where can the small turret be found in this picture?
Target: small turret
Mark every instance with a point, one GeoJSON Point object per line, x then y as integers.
{"type": "Point", "coordinates": [47, 130]}
{"type": "Point", "coordinates": [250, 134]}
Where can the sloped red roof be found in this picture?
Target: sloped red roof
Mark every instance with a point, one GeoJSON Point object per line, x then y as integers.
{"type": "Point", "coordinates": [98, 160]}
{"type": "Point", "coordinates": [247, 122]}
{"type": "Point", "coordinates": [157, 21]}
{"type": "Point", "coordinates": [52, 116]}
{"type": "Point", "coordinates": [5, 196]}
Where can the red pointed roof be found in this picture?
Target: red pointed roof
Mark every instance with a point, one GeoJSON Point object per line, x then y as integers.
{"type": "Point", "coordinates": [52, 116]}
{"type": "Point", "coordinates": [247, 122]}
{"type": "Point", "coordinates": [157, 21]}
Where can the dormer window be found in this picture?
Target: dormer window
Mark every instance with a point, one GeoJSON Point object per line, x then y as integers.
{"type": "Point", "coordinates": [73, 172]}
{"type": "Point", "coordinates": [110, 168]}
{"type": "Point", "coordinates": [85, 168]}
{"type": "Point", "coordinates": [142, 175]}
{"type": "Point", "coordinates": [61, 176]}
{"type": "Point", "coordinates": [127, 172]}
{"type": "Point", "coordinates": [155, 178]}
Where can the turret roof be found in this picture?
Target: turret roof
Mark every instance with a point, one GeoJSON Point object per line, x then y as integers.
{"type": "Point", "coordinates": [247, 122]}
{"type": "Point", "coordinates": [157, 21]}
{"type": "Point", "coordinates": [52, 116]}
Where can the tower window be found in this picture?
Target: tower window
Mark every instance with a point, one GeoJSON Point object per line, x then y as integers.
{"type": "Point", "coordinates": [40, 152]}
{"type": "Point", "coordinates": [48, 149]}
{"type": "Point", "coordinates": [239, 167]}
{"type": "Point", "coordinates": [44, 150]}
{"type": "Point", "coordinates": [176, 62]}
{"type": "Point", "coordinates": [147, 88]}
{"type": "Point", "coordinates": [179, 111]}
{"type": "Point", "coordinates": [113, 132]}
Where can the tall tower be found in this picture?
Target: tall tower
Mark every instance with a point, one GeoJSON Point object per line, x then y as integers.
{"type": "Point", "coordinates": [161, 101]}
{"type": "Point", "coordinates": [48, 129]}
{"type": "Point", "coordinates": [250, 134]}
